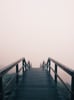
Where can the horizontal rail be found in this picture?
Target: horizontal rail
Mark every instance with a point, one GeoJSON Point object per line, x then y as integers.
{"type": "Point", "coordinates": [7, 68]}
{"type": "Point", "coordinates": [16, 77]}
{"type": "Point", "coordinates": [61, 80]}
{"type": "Point", "coordinates": [10, 82]}
{"type": "Point", "coordinates": [20, 69]}
{"type": "Point", "coordinates": [65, 68]}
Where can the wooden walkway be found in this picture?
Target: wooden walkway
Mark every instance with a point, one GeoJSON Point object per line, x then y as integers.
{"type": "Point", "coordinates": [36, 85]}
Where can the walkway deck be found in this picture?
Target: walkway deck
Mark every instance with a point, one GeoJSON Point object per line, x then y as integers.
{"type": "Point", "coordinates": [36, 85]}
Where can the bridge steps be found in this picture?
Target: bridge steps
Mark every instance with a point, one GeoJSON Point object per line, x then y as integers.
{"type": "Point", "coordinates": [36, 85]}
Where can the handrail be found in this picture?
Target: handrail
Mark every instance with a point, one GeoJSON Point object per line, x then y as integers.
{"type": "Point", "coordinates": [8, 68]}
{"type": "Point", "coordinates": [61, 80]}
{"type": "Point", "coordinates": [64, 68]}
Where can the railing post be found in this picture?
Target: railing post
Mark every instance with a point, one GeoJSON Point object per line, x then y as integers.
{"type": "Point", "coordinates": [49, 65]}
{"type": "Point", "coordinates": [17, 73]}
{"type": "Point", "coordinates": [23, 61]}
{"type": "Point", "coordinates": [1, 89]}
{"type": "Point", "coordinates": [56, 73]}
{"type": "Point", "coordinates": [72, 88]}
{"type": "Point", "coordinates": [26, 66]}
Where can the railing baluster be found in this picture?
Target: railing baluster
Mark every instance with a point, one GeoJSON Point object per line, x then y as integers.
{"type": "Point", "coordinates": [55, 73]}
{"type": "Point", "coordinates": [7, 69]}
{"type": "Point", "coordinates": [17, 73]}
{"type": "Point", "coordinates": [49, 66]}
{"type": "Point", "coordinates": [72, 88]}
{"type": "Point", "coordinates": [1, 88]}
{"type": "Point", "coordinates": [23, 61]}
{"type": "Point", "coordinates": [25, 66]}
{"type": "Point", "coordinates": [64, 68]}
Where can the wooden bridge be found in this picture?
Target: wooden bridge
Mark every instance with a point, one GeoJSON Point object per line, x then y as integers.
{"type": "Point", "coordinates": [33, 83]}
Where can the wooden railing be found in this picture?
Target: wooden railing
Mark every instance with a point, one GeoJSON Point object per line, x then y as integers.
{"type": "Point", "coordinates": [64, 68]}
{"type": "Point", "coordinates": [16, 77]}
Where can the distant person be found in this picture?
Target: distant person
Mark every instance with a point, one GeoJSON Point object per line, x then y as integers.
{"type": "Point", "coordinates": [29, 65]}
{"type": "Point", "coordinates": [43, 65]}
{"type": "Point", "coordinates": [24, 64]}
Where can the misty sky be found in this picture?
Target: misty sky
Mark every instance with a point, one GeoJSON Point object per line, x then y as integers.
{"type": "Point", "coordinates": [37, 29]}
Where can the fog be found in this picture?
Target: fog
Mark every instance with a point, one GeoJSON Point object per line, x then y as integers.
{"type": "Point", "coordinates": [36, 30]}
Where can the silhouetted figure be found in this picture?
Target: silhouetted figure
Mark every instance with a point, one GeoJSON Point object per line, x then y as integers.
{"type": "Point", "coordinates": [29, 65]}
{"type": "Point", "coordinates": [43, 65]}
{"type": "Point", "coordinates": [24, 63]}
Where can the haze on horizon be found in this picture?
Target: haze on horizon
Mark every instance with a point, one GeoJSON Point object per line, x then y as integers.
{"type": "Point", "coordinates": [36, 30]}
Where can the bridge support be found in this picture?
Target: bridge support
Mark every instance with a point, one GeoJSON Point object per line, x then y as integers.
{"type": "Point", "coordinates": [23, 62]}
{"type": "Point", "coordinates": [72, 88]}
{"type": "Point", "coordinates": [49, 65]}
{"type": "Point", "coordinates": [1, 88]}
{"type": "Point", "coordinates": [55, 73]}
{"type": "Point", "coordinates": [17, 73]}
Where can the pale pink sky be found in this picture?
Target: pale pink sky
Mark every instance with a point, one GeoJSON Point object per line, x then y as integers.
{"type": "Point", "coordinates": [36, 30]}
